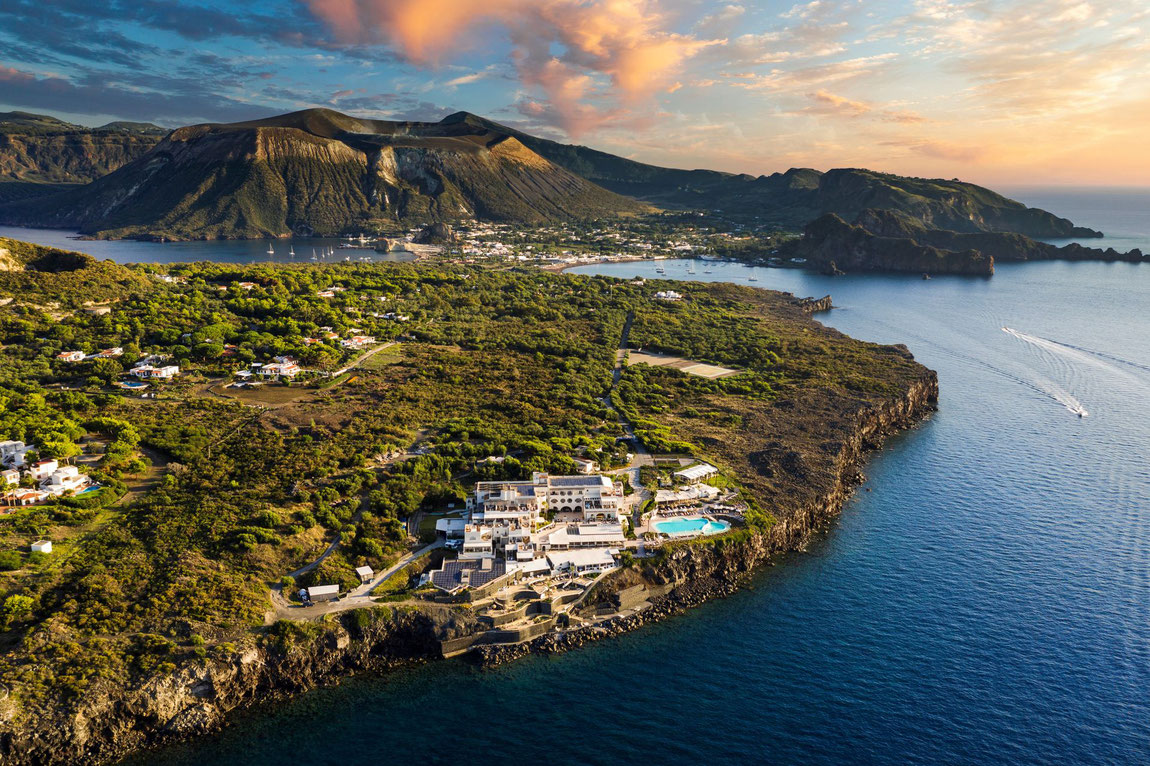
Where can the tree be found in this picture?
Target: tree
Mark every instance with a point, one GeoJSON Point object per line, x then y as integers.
{"type": "Point", "coordinates": [16, 608]}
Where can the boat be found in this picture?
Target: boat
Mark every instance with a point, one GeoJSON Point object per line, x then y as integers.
{"type": "Point", "coordinates": [752, 279]}
{"type": "Point", "coordinates": [291, 251]}
{"type": "Point", "coordinates": [271, 250]}
{"type": "Point", "coordinates": [706, 271]}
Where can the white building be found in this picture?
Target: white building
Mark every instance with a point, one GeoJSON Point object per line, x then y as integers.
{"type": "Point", "coordinates": [696, 494]}
{"type": "Point", "coordinates": [70, 356]}
{"type": "Point", "coordinates": [42, 546]}
{"type": "Point", "coordinates": [148, 372]}
{"type": "Point", "coordinates": [365, 574]}
{"type": "Point", "coordinates": [12, 453]}
{"type": "Point", "coordinates": [65, 479]}
{"type": "Point", "coordinates": [585, 466]}
{"type": "Point", "coordinates": [42, 469]}
{"type": "Point", "coordinates": [323, 592]}
{"type": "Point", "coordinates": [574, 536]}
{"type": "Point", "coordinates": [288, 369]}
{"type": "Point", "coordinates": [581, 561]}
{"type": "Point", "coordinates": [668, 295]}
{"type": "Point", "coordinates": [696, 473]}
{"type": "Point", "coordinates": [10, 477]}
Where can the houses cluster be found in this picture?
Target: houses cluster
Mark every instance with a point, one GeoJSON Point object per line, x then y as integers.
{"type": "Point", "coordinates": [49, 477]}
{"type": "Point", "coordinates": [548, 526]}
{"type": "Point", "coordinates": [280, 368]}
{"type": "Point", "coordinates": [668, 295]}
{"type": "Point", "coordinates": [80, 356]}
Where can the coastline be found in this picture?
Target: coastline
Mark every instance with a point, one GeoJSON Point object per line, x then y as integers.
{"type": "Point", "coordinates": [114, 723]}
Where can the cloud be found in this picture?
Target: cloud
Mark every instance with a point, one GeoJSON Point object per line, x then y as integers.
{"type": "Point", "coordinates": [840, 104]}
{"type": "Point", "coordinates": [561, 47]}
{"type": "Point", "coordinates": [183, 104]}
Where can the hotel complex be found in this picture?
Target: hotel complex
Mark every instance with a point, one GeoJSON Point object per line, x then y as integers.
{"type": "Point", "coordinates": [548, 525]}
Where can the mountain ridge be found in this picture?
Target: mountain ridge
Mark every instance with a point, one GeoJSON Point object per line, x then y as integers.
{"type": "Point", "coordinates": [377, 172]}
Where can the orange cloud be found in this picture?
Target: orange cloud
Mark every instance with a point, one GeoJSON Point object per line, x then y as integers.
{"type": "Point", "coordinates": [625, 41]}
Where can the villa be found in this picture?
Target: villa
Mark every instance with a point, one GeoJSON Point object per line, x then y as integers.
{"type": "Point", "coordinates": [70, 356]}
{"type": "Point", "coordinates": [10, 477]}
{"type": "Point", "coordinates": [66, 479]}
{"type": "Point", "coordinates": [156, 373]}
{"type": "Point", "coordinates": [283, 367]}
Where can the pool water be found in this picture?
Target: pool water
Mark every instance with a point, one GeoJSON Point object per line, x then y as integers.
{"type": "Point", "coordinates": [691, 526]}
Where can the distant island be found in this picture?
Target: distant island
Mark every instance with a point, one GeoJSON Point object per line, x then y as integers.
{"type": "Point", "coordinates": [227, 483]}
{"type": "Point", "coordinates": [322, 173]}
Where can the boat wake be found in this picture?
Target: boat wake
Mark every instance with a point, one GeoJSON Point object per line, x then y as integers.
{"type": "Point", "coordinates": [1055, 392]}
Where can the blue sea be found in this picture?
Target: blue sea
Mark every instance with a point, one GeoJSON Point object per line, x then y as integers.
{"type": "Point", "coordinates": [983, 599]}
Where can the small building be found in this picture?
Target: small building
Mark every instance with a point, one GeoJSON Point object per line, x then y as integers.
{"type": "Point", "coordinates": [452, 529]}
{"type": "Point", "coordinates": [26, 497]}
{"type": "Point", "coordinates": [112, 353]}
{"type": "Point", "coordinates": [12, 453]}
{"type": "Point", "coordinates": [365, 574]}
{"type": "Point", "coordinates": [585, 466]}
{"type": "Point", "coordinates": [10, 477]}
{"type": "Point", "coordinates": [98, 311]}
{"type": "Point", "coordinates": [42, 546]}
{"type": "Point", "coordinates": [668, 295]}
{"type": "Point", "coordinates": [323, 592]}
{"type": "Point", "coordinates": [42, 469]}
{"type": "Point", "coordinates": [149, 372]}
{"type": "Point", "coordinates": [696, 473]}
{"type": "Point", "coordinates": [70, 356]}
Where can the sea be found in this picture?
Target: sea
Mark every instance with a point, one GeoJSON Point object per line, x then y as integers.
{"type": "Point", "coordinates": [983, 599]}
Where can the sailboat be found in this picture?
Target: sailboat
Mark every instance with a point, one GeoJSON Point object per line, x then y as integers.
{"type": "Point", "coordinates": [314, 257]}
{"type": "Point", "coordinates": [271, 250]}
{"type": "Point", "coordinates": [291, 251]}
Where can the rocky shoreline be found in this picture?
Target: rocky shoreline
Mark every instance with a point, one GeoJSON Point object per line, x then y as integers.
{"type": "Point", "coordinates": [113, 722]}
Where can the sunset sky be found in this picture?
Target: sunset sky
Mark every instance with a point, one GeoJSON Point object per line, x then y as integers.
{"type": "Point", "coordinates": [1044, 91]}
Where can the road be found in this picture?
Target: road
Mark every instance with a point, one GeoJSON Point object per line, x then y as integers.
{"type": "Point", "coordinates": [362, 358]}
{"type": "Point", "coordinates": [356, 599]}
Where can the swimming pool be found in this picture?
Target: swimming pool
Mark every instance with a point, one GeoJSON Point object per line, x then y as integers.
{"type": "Point", "coordinates": [691, 525]}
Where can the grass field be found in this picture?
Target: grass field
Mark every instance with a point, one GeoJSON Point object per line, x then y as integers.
{"type": "Point", "coordinates": [709, 371]}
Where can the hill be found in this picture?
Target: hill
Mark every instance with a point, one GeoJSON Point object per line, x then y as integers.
{"type": "Point", "coordinates": [39, 275]}
{"type": "Point", "coordinates": [37, 149]}
{"type": "Point", "coordinates": [799, 195]}
{"type": "Point", "coordinates": [321, 172]}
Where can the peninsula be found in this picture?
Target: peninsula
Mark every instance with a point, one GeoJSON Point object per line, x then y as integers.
{"type": "Point", "coordinates": [279, 475]}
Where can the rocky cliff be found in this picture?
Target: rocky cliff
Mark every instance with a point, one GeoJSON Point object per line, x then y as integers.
{"type": "Point", "coordinates": [110, 722]}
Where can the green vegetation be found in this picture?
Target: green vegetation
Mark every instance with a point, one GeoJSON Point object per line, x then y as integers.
{"type": "Point", "coordinates": [492, 363]}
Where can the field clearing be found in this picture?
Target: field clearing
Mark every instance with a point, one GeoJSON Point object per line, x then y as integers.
{"type": "Point", "coordinates": [703, 370]}
{"type": "Point", "coordinates": [381, 360]}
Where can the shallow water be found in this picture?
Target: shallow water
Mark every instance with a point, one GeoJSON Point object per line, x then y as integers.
{"type": "Point", "coordinates": [984, 599]}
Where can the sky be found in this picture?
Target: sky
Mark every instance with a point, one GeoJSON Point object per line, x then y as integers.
{"type": "Point", "coordinates": [1005, 92]}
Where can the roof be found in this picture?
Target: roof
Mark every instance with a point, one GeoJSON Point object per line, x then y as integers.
{"type": "Point", "coordinates": [450, 576]}
{"type": "Point", "coordinates": [697, 471]}
{"type": "Point", "coordinates": [581, 557]}
{"type": "Point", "coordinates": [364, 571]}
{"type": "Point", "coordinates": [579, 481]}
{"type": "Point", "coordinates": [322, 590]}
